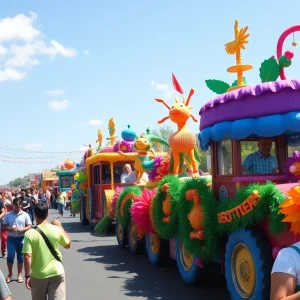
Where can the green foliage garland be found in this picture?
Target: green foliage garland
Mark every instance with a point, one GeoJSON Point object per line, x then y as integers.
{"type": "Point", "coordinates": [205, 249]}
{"type": "Point", "coordinates": [268, 205]}
{"type": "Point", "coordinates": [126, 217]}
{"type": "Point", "coordinates": [166, 230]}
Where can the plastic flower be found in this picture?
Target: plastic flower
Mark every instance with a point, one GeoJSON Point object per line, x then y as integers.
{"type": "Point", "coordinates": [292, 167]}
{"type": "Point", "coordinates": [291, 209]}
{"type": "Point", "coordinates": [140, 211]}
{"type": "Point", "coordinates": [124, 146]}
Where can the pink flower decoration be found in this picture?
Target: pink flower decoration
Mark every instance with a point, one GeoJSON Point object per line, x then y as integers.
{"type": "Point", "coordinates": [140, 210]}
{"type": "Point", "coordinates": [118, 191]}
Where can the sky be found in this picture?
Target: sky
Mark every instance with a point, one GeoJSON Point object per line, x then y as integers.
{"type": "Point", "coordinates": [66, 67]}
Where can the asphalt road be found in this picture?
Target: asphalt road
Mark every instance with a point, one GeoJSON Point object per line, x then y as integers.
{"type": "Point", "coordinates": [96, 268]}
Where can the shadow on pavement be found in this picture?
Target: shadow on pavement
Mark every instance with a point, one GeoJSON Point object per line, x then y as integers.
{"type": "Point", "coordinates": [148, 281]}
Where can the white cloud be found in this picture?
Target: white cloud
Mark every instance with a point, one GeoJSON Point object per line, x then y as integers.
{"type": "Point", "coordinates": [55, 92]}
{"type": "Point", "coordinates": [33, 146]}
{"type": "Point", "coordinates": [164, 87]}
{"type": "Point", "coordinates": [95, 122]}
{"type": "Point", "coordinates": [57, 48]}
{"type": "Point", "coordinates": [60, 145]}
{"type": "Point", "coordinates": [3, 50]}
{"type": "Point", "coordinates": [22, 44]}
{"type": "Point", "coordinates": [11, 74]}
{"type": "Point", "coordinates": [86, 52]}
{"type": "Point", "coordinates": [19, 27]}
{"type": "Point", "coordinates": [58, 105]}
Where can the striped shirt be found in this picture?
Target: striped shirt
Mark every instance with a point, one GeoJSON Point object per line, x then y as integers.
{"type": "Point", "coordinates": [256, 163]}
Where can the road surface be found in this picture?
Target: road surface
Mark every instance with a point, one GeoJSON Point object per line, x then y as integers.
{"type": "Point", "coordinates": [97, 266]}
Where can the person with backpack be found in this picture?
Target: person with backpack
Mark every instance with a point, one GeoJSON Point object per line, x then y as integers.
{"type": "Point", "coordinates": [44, 271]}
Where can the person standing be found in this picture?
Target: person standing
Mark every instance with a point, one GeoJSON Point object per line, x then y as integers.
{"type": "Point", "coordinates": [33, 202]}
{"type": "Point", "coordinates": [3, 232]}
{"type": "Point", "coordinates": [8, 207]}
{"type": "Point", "coordinates": [52, 199]}
{"type": "Point", "coordinates": [44, 271]}
{"type": "Point", "coordinates": [126, 171]}
{"type": "Point", "coordinates": [25, 202]}
{"type": "Point", "coordinates": [16, 222]}
{"type": "Point", "coordinates": [48, 195]}
{"type": "Point", "coordinates": [61, 202]}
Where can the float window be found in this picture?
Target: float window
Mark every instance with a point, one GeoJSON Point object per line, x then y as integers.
{"type": "Point", "coordinates": [224, 157]}
{"type": "Point", "coordinates": [96, 174]}
{"type": "Point", "coordinates": [259, 156]}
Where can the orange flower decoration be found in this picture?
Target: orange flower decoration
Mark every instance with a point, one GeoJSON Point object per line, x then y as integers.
{"type": "Point", "coordinates": [291, 208]}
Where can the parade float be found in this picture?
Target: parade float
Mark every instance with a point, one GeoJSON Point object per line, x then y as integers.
{"type": "Point", "coordinates": [49, 180]}
{"type": "Point", "coordinates": [243, 218]}
{"type": "Point", "coordinates": [103, 170]}
{"type": "Point", "coordinates": [66, 175]}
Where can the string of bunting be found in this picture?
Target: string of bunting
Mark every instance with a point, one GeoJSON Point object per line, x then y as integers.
{"type": "Point", "coordinates": [35, 158]}
{"type": "Point", "coordinates": [29, 162]}
{"type": "Point", "coordinates": [8, 148]}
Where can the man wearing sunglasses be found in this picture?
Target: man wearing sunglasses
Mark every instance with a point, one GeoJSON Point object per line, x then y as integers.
{"type": "Point", "coordinates": [16, 222]}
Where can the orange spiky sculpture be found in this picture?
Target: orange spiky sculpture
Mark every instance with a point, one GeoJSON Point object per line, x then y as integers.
{"type": "Point", "coordinates": [182, 142]}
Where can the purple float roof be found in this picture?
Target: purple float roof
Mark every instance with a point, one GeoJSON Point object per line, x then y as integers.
{"type": "Point", "coordinates": [215, 111]}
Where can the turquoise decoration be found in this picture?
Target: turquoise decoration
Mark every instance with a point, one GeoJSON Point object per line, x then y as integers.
{"type": "Point", "coordinates": [128, 134]}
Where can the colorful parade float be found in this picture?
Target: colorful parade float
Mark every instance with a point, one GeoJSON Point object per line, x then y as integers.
{"type": "Point", "coordinates": [103, 170]}
{"type": "Point", "coordinates": [241, 216]}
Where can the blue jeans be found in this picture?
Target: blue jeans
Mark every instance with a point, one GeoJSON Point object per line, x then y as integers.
{"type": "Point", "coordinates": [60, 207]}
{"type": "Point", "coordinates": [15, 244]}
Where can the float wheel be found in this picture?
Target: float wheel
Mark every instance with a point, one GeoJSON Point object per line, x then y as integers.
{"type": "Point", "coordinates": [157, 249]}
{"type": "Point", "coordinates": [136, 246]}
{"type": "Point", "coordinates": [248, 264]}
{"type": "Point", "coordinates": [121, 234]}
{"type": "Point", "coordinates": [186, 263]}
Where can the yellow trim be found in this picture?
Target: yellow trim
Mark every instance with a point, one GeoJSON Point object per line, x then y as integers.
{"type": "Point", "coordinates": [50, 179]}
{"type": "Point", "coordinates": [187, 258]}
{"type": "Point", "coordinates": [112, 178]}
{"type": "Point", "coordinates": [120, 231]}
{"type": "Point", "coordinates": [154, 243]}
{"type": "Point", "coordinates": [109, 194]}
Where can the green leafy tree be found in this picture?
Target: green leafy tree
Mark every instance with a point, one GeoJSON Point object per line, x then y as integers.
{"type": "Point", "coordinates": [203, 156]}
{"type": "Point", "coordinates": [18, 182]}
{"type": "Point", "coordinates": [163, 132]}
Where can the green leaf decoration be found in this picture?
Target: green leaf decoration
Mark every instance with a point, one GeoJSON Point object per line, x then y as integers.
{"type": "Point", "coordinates": [235, 83]}
{"type": "Point", "coordinates": [269, 70]}
{"type": "Point", "coordinates": [217, 86]}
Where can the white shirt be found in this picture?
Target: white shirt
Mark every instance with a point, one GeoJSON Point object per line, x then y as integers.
{"type": "Point", "coordinates": [19, 220]}
{"type": "Point", "coordinates": [124, 177]}
{"type": "Point", "coordinates": [288, 262]}
{"type": "Point", "coordinates": [131, 178]}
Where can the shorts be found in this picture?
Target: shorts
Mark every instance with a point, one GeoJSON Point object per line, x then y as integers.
{"type": "Point", "coordinates": [60, 207]}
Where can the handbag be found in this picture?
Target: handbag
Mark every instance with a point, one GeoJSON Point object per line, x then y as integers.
{"type": "Point", "coordinates": [50, 247]}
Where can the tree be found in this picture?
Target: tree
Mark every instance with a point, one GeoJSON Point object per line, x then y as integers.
{"type": "Point", "coordinates": [203, 156]}
{"type": "Point", "coordinates": [18, 182]}
{"type": "Point", "coordinates": [163, 132]}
